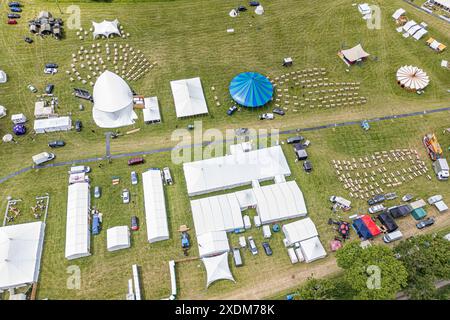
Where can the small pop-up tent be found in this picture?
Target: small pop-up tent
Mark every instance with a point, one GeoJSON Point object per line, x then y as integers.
{"type": "Point", "coordinates": [106, 28]}
{"type": "Point", "coordinates": [3, 77]}
{"type": "Point", "coordinates": [217, 268]}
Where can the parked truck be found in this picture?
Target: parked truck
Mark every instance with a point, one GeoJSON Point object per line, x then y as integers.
{"type": "Point", "coordinates": [43, 157]}
{"type": "Point", "coordinates": [441, 169]}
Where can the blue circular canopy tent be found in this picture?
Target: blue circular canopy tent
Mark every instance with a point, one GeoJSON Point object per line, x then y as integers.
{"type": "Point", "coordinates": [251, 89]}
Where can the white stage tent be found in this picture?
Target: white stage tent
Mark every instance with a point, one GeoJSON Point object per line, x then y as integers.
{"type": "Point", "coordinates": [300, 230]}
{"type": "Point", "coordinates": [212, 243]}
{"type": "Point", "coordinates": [312, 249]}
{"type": "Point", "coordinates": [77, 224]}
{"type": "Point", "coordinates": [155, 206]}
{"type": "Point", "coordinates": [118, 238]}
{"type": "Point", "coordinates": [188, 97]}
{"type": "Point", "coordinates": [106, 28]}
{"type": "Point", "coordinates": [113, 102]}
{"type": "Point", "coordinates": [20, 254]}
{"type": "Point", "coordinates": [151, 111]}
{"type": "Point", "coordinates": [419, 34]}
{"type": "Point", "coordinates": [279, 201]}
{"type": "Point", "coordinates": [52, 124]}
{"type": "Point", "coordinates": [236, 170]}
{"type": "Point", "coordinates": [217, 268]}
{"type": "Point", "coordinates": [217, 213]}
{"type": "Point", "coordinates": [398, 13]}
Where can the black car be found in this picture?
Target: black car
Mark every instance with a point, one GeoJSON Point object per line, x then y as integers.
{"type": "Point", "coordinates": [14, 4]}
{"type": "Point", "coordinates": [51, 66]}
{"type": "Point", "coordinates": [425, 223]}
{"type": "Point", "coordinates": [307, 166]}
{"type": "Point", "coordinates": [400, 211]}
{"type": "Point", "coordinates": [267, 248]}
{"type": "Point", "coordinates": [242, 8]}
{"type": "Point", "coordinates": [231, 110]}
{"type": "Point", "coordinates": [377, 199]}
{"type": "Point", "coordinates": [296, 139]}
{"type": "Point", "coordinates": [28, 40]}
{"type": "Point", "coordinates": [13, 16]}
{"type": "Point", "coordinates": [56, 144]}
{"type": "Point", "coordinates": [49, 88]}
{"type": "Point", "coordinates": [278, 111]}
{"type": "Point", "coordinates": [387, 221]}
{"type": "Point", "coordinates": [253, 3]}
{"type": "Point", "coordinates": [78, 125]}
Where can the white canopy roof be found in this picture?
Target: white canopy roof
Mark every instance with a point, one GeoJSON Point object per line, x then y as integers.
{"type": "Point", "coordinates": [299, 230]}
{"type": "Point", "coordinates": [398, 13]}
{"type": "Point", "coordinates": [414, 29]}
{"type": "Point", "coordinates": [113, 101]}
{"type": "Point", "coordinates": [188, 97]}
{"type": "Point", "coordinates": [355, 53]}
{"type": "Point", "coordinates": [151, 111]}
{"type": "Point", "coordinates": [412, 78]}
{"type": "Point", "coordinates": [106, 28]}
{"type": "Point", "coordinates": [364, 8]}
{"type": "Point", "coordinates": [212, 243]}
{"type": "Point", "coordinates": [3, 77]}
{"type": "Point", "coordinates": [409, 24]}
{"type": "Point", "coordinates": [312, 249]}
{"type": "Point", "coordinates": [234, 170]}
{"type": "Point", "coordinates": [217, 268]}
{"type": "Point", "coordinates": [118, 238]}
{"type": "Point", "coordinates": [246, 198]}
{"type": "Point", "coordinates": [20, 254]}
{"type": "Point", "coordinates": [155, 206]}
{"type": "Point", "coordinates": [52, 124]}
{"type": "Point", "coordinates": [77, 224]}
{"type": "Point", "coordinates": [419, 34]}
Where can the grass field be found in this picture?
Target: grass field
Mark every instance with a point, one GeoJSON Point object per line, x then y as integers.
{"type": "Point", "coordinates": [188, 38]}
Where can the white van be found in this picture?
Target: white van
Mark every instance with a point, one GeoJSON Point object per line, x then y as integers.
{"type": "Point", "coordinates": [292, 255]}
{"type": "Point", "coordinates": [167, 176]}
{"type": "Point", "coordinates": [79, 169]}
{"type": "Point", "coordinates": [43, 157]}
{"type": "Point", "coordinates": [392, 236]}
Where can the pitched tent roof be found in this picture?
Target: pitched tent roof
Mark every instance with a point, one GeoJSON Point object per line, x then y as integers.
{"type": "Point", "coordinates": [312, 249]}
{"type": "Point", "coordinates": [412, 78]}
{"type": "Point", "coordinates": [371, 225]}
{"type": "Point", "coordinates": [118, 238]}
{"type": "Point", "coordinates": [419, 34]}
{"type": "Point", "coordinates": [355, 53]}
{"type": "Point", "coordinates": [217, 268]}
{"type": "Point", "coordinates": [414, 29]}
{"type": "Point", "coordinates": [52, 124]}
{"type": "Point", "coordinates": [20, 254]}
{"type": "Point", "coordinates": [106, 28]}
{"type": "Point", "coordinates": [113, 101]}
{"type": "Point", "coordinates": [251, 89]}
{"type": "Point", "coordinates": [398, 13]}
{"type": "Point", "coordinates": [300, 230]}
{"type": "Point", "coordinates": [212, 243]}
{"type": "Point", "coordinates": [409, 25]}
{"type": "Point", "coordinates": [188, 97]}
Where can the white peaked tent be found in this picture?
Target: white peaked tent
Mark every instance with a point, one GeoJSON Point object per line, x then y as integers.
{"type": "Point", "coordinates": [412, 78]}
{"type": "Point", "coordinates": [312, 249]}
{"type": "Point", "coordinates": [3, 77]}
{"type": "Point", "coordinates": [113, 102]}
{"type": "Point", "coordinates": [212, 243]}
{"type": "Point", "coordinates": [398, 13]}
{"type": "Point", "coordinates": [106, 28]}
{"type": "Point", "coordinates": [354, 54]}
{"type": "Point", "coordinates": [188, 97]}
{"type": "Point", "coordinates": [299, 230]}
{"type": "Point", "coordinates": [118, 238]}
{"type": "Point", "coordinates": [217, 268]}
{"type": "Point", "coordinates": [20, 254]}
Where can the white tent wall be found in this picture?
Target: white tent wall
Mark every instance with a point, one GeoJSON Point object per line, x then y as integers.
{"type": "Point", "coordinates": [118, 238]}
{"type": "Point", "coordinates": [155, 206]}
{"type": "Point", "coordinates": [312, 249]}
{"type": "Point", "coordinates": [212, 243]}
{"type": "Point", "coordinates": [52, 124]}
{"type": "Point", "coordinates": [173, 278]}
{"type": "Point", "coordinates": [188, 97]}
{"type": "Point", "coordinates": [299, 230]}
{"type": "Point", "coordinates": [20, 254]}
{"type": "Point", "coordinates": [217, 268]}
{"type": "Point", "coordinates": [77, 224]}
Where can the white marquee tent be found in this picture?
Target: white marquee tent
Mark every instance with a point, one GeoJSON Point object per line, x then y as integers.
{"type": "Point", "coordinates": [113, 102]}
{"type": "Point", "coordinates": [212, 243]}
{"type": "Point", "coordinates": [312, 249]}
{"type": "Point", "coordinates": [398, 13]}
{"type": "Point", "coordinates": [188, 97]}
{"type": "Point", "coordinates": [3, 77]}
{"type": "Point", "coordinates": [106, 28]}
{"type": "Point", "coordinates": [414, 29]}
{"type": "Point", "coordinates": [20, 254]}
{"type": "Point", "coordinates": [236, 170]}
{"type": "Point", "coordinates": [217, 268]}
{"type": "Point", "coordinates": [419, 34]}
{"type": "Point", "coordinates": [412, 78]}
{"type": "Point", "coordinates": [77, 224]}
{"type": "Point", "coordinates": [151, 111]}
{"type": "Point", "coordinates": [409, 25]}
{"type": "Point", "coordinates": [52, 124]}
{"type": "Point", "coordinates": [118, 238]}
{"type": "Point", "coordinates": [155, 206]}
{"type": "Point", "coordinates": [300, 230]}
{"type": "Point", "coordinates": [246, 198]}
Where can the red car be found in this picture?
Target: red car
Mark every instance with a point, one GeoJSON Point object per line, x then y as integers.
{"type": "Point", "coordinates": [134, 223]}
{"type": "Point", "coordinates": [135, 161]}
{"type": "Point", "coordinates": [12, 21]}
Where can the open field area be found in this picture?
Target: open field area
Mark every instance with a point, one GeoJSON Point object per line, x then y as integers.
{"type": "Point", "coordinates": [189, 39]}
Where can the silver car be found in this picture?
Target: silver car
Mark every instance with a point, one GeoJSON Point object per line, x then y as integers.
{"type": "Point", "coordinates": [134, 178]}
{"type": "Point", "coordinates": [125, 196]}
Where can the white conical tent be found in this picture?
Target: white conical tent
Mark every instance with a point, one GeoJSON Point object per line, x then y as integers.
{"type": "Point", "coordinates": [20, 254]}
{"type": "Point", "coordinates": [217, 268]}
{"type": "Point", "coordinates": [106, 28]}
{"type": "Point", "coordinates": [113, 102]}
{"type": "Point", "coordinates": [412, 78]}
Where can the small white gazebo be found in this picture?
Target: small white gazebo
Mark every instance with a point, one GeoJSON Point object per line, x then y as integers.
{"type": "Point", "coordinates": [412, 78]}
{"type": "Point", "coordinates": [106, 28]}
{"type": "Point", "coordinates": [217, 268]}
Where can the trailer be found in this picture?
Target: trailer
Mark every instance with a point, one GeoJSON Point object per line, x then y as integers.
{"type": "Point", "coordinates": [292, 255]}
{"type": "Point", "coordinates": [441, 169]}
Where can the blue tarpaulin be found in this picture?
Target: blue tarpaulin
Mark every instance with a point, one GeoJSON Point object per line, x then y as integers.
{"type": "Point", "coordinates": [361, 229]}
{"type": "Point", "coordinates": [251, 89]}
{"type": "Point", "coordinates": [95, 224]}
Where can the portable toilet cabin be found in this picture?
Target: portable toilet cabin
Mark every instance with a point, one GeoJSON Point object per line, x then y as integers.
{"type": "Point", "coordinates": [266, 232]}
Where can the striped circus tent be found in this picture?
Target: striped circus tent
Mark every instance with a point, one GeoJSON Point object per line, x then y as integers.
{"type": "Point", "coordinates": [251, 89]}
{"type": "Point", "coordinates": [412, 78]}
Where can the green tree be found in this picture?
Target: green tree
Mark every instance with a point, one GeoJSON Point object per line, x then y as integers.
{"type": "Point", "coordinates": [374, 273]}
{"type": "Point", "coordinates": [316, 289]}
{"type": "Point", "coordinates": [427, 260]}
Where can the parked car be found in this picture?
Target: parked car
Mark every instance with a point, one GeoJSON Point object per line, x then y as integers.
{"type": "Point", "coordinates": [97, 192]}
{"type": "Point", "coordinates": [278, 111]}
{"type": "Point", "coordinates": [12, 21]}
{"type": "Point", "coordinates": [50, 70]}
{"type": "Point", "coordinates": [49, 88]}
{"type": "Point", "coordinates": [28, 40]}
{"type": "Point", "coordinates": [135, 161]}
{"type": "Point", "coordinates": [434, 199]}
{"type": "Point", "coordinates": [32, 88]}
{"type": "Point", "coordinates": [134, 223]}
{"type": "Point", "coordinates": [267, 248]}
{"type": "Point", "coordinates": [425, 223]}
{"type": "Point", "coordinates": [232, 110]}
{"type": "Point", "coordinates": [13, 16]}
{"type": "Point", "coordinates": [392, 236]}
{"type": "Point", "coordinates": [252, 246]}
{"type": "Point", "coordinates": [16, 9]}
{"type": "Point", "coordinates": [376, 199]}
{"type": "Point", "coordinates": [296, 139]}
{"type": "Point", "coordinates": [79, 169]}
{"type": "Point", "coordinates": [266, 116]}
{"type": "Point", "coordinates": [376, 208]}
{"type": "Point", "coordinates": [390, 196]}
{"type": "Point", "coordinates": [387, 221]}
{"type": "Point", "coordinates": [14, 4]}
{"type": "Point", "coordinates": [237, 257]}
{"type": "Point", "coordinates": [125, 196]}
{"type": "Point", "coordinates": [51, 65]}
{"type": "Point", "coordinates": [134, 178]}
{"type": "Point", "coordinates": [56, 144]}
{"type": "Point", "coordinates": [407, 197]}
{"type": "Point", "coordinates": [78, 125]}
{"type": "Point", "coordinates": [307, 166]}
{"type": "Point", "coordinates": [400, 211]}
